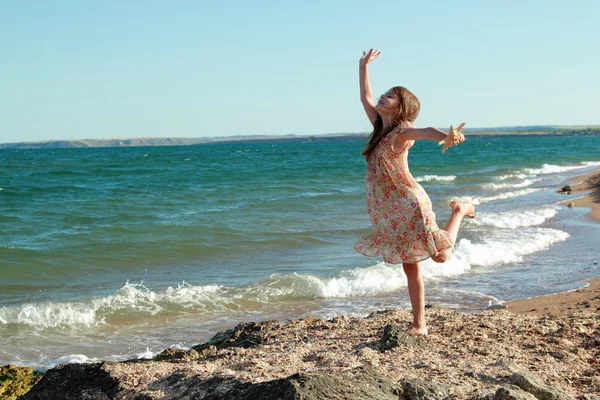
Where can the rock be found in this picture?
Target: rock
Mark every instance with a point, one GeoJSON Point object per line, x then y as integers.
{"type": "Point", "coordinates": [94, 381]}
{"type": "Point", "coordinates": [357, 384]}
{"type": "Point", "coordinates": [534, 385]}
{"type": "Point", "coordinates": [16, 381]}
{"type": "Point", "coordinates": [566, 188]}
{"type": "Point", "coordinates": [179, 355]}
{"type": "Point", "coordinates": [510, 392]}
{"type": "Point", "coordinates": [75, 381]}
{"type": "Point", "coordinates": [417, 389]}
{"type": "Point", "coordinates": [394, 336]}
{"type": "Point", "coordinates": [246, 334]}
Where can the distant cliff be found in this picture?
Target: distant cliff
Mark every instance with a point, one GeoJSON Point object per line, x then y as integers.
{"type": "Point", "coordinates": [135, 142]}
{"type": "Point", "coordinates": [334, 137]}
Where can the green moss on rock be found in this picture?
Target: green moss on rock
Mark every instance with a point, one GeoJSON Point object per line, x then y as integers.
{"type": "Point", "coordinates": [16, 381]}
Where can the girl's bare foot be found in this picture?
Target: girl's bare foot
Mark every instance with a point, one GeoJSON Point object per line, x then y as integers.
{"type": "Point", "coordinates": [418, 331]}
{"type": "Point", "coordinates": [466, 209]}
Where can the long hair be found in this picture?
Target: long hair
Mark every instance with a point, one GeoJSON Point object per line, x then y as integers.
{"type": "Point", "coordinates": [408, 110]}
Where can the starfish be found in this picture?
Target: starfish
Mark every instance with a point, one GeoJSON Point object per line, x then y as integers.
{"type": "Point", "coordinates": [454, 137]}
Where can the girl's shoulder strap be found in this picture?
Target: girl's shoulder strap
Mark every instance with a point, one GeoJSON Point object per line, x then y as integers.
{"type": "Point", "coordinates": [401, 128]}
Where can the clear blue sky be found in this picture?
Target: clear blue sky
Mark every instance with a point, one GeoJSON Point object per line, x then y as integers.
{"type": "Point", "coordinates": [105, 69]}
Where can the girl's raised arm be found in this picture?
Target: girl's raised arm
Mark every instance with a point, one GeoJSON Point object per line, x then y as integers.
{"type": "Point", "coordinates": [366, 96]}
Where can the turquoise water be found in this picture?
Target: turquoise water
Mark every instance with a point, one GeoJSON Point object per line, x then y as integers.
{"type": "Point", "coordinates": [115, 253]}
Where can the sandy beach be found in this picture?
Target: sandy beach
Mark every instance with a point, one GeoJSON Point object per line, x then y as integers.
{"type": "Point", "coordinates": [586, 193]}
{"type": "Point", "coordinates": [586, 298]}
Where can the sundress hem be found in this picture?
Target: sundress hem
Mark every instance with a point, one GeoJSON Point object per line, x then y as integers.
{"type": "Point", "coordinates": [398, 253]}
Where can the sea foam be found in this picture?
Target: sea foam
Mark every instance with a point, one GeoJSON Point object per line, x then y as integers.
{"type": "Point", "coordinates": [515, 219]}
{"type": "Point", "coordinates": [486, 199]}
{"type": "Point", "coordinates": [436, 178]}
{"type": "Point", "coordinates": [496, 186]}
{"type": "Point", "coordinates": [137, 301]}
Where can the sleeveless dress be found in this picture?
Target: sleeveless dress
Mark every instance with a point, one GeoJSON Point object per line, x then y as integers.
{"type": "Point", "coordinates": [404, 227]}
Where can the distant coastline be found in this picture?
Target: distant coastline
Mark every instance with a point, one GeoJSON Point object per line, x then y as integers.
{"type": "Point", "coordinates": [588, 130]}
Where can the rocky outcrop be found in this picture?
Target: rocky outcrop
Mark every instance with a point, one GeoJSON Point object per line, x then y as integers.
{"type": "Point", "coordinates": [484, 356]}
{"type": "Point", "coordinates": [103, 382]}
{"type": "Point", "coordinates": [77, 381]}
{"type": "Point", "coordinates": [96, 382]}
{"type": "Point", "coordinates": [532, 384]}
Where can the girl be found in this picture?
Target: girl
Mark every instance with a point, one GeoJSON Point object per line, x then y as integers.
{"type": "Point", "coordinates": [404, 227]}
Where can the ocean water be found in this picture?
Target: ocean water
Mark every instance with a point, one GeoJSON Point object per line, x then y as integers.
{"type": "Point", "coordinates": [119, 253]}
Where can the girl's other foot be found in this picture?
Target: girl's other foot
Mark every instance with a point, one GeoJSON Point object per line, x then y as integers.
{"type": "Point", "coordinates": [466, 209]}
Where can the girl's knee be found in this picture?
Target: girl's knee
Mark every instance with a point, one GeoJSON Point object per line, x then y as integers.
{"type": "Point", "coordinates": [443, 256]}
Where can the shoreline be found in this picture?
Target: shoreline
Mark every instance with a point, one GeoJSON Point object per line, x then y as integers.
{"type": "Point", "coordinates": [589, 186]}
{"type": "Point", "coordinates": [587, 297]}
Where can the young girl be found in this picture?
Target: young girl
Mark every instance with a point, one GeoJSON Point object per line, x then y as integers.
{"type": "Point", "coordinates": [404, 227]}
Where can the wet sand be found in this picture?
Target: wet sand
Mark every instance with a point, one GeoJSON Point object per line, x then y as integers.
{"type": "Point", "coordinates": [587, 298]}
{"type": "Point", "coordinates": [586, 191]}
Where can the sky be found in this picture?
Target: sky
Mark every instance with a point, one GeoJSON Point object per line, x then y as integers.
{"type": "Point", "coordinates": [122, 69]}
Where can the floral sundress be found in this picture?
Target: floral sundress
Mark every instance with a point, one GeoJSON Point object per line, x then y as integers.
{"type": "Point", "coordinates": [404, 226]}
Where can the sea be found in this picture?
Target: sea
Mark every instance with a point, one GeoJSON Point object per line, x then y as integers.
{"type": "Point", "coordinates": [120, 253]}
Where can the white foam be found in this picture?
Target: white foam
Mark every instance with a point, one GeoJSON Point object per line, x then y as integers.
{"type": "Point", "coordinates": [376, 279]}
{"type": "Point", "coordinates": [551, 169]}
{"type": "Point", "coordinates": [496, 186]}
{"type": "Point", "coordinates": [146, 355]}
{"type": "Point", "coordinates": [515, 219]}
{"type": "Point", "coordinates": [497, 247]}
{"type": "Point", "coordinates": [132, 296]}
{"type": "Point", "coordinates": [501, 196]}
{"type": "Point", "coordinates": [547, 169]}
{"type": "Point", "coordinates": [591, 163]}
{"type": "Point", "coordinates": [51, 314]}
{"type": "Point", "coordinates": [512, 176]}
{"type": "Point", "coordinates": [505, 246]}
{"type": "Point", "coordinates": [70, 359]}
{"type": "Point", "coordinates": [436, 178]}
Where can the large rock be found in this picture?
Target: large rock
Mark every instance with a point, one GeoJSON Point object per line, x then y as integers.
{"type": "Point", "coordinates": [534, 385]}
{"type": "Point", "coordinates": [510, 392]}
{"type": "Point", "coordinates": [360, 383]}
{"type": "Point", "coordinates": [417, 389]}
{"type": "Point", "coordinates": [76, 381]}
{"type": "Point", "coordinates": [95, 382]}
{"type": "Point", "coordinates": [246, 334]}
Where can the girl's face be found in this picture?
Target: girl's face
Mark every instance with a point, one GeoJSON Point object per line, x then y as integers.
{"type": "Point", "coordinates": [388, 102]}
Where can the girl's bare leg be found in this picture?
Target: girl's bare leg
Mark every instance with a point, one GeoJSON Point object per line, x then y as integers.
{"type": "Point", "coordinates": [459, 211]}
{"type": "Point", "coordinates": [416, 291]}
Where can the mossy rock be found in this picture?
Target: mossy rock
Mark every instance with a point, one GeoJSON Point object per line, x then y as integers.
{"type": "Point", "coordinates": [177, 355]}
{"type": "Point", "coordinates": [246, 334]}
{"type": "Point", "coordinates": [16, 381]}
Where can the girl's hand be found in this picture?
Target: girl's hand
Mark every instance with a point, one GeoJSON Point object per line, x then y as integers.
{"type": "Point", "coordinates": [369, 56]}
{"type": "Point", "coordinates": [454, 137]}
